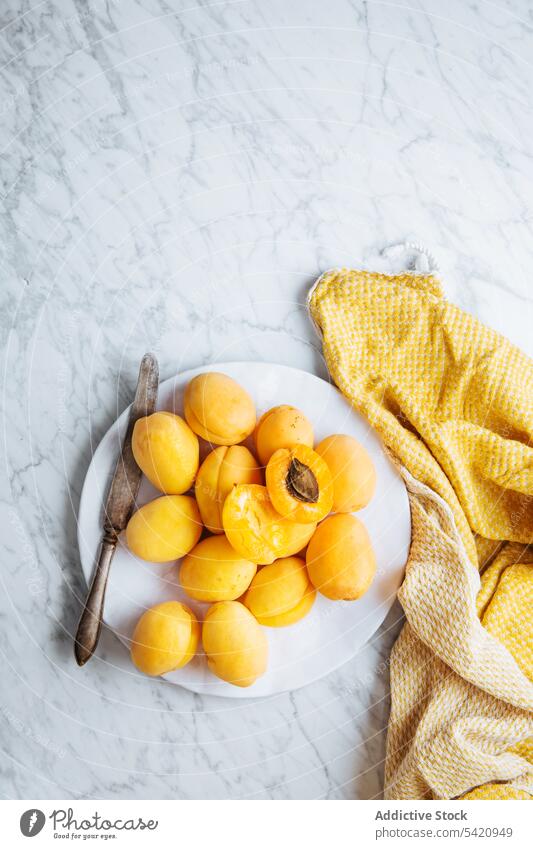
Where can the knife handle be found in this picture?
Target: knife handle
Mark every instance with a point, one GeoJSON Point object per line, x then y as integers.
{"type": "Point", "coordinates": [90, 623]}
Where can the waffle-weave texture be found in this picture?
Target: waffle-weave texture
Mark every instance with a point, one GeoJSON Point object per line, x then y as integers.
{"type": "Point", "coordinates": [453, 402]}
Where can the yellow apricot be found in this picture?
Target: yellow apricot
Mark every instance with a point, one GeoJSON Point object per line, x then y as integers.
{"type": "Point", "coordinates": [218, 409]}
{"type": "Point", "coordinates": [167, 451]}
{"type": "Point", "coordinates": [256, 530]}
{"type": "Point", "coordinates": [340, 558]}
{"type": "Point", "coordinates": [281, 593]}
{"type": "Point", "coordinates": [281, 427]}
{"type": "Point", "coordinates": [213, 571]}
{"type": "Point", "coordinates": [234, 643]}
{"type": "Point", "coordinates": [352, 470]}
{"type": "Point", "coordinates": [165, 528]}
{"type": "Point", "coordinates": [221, 470]}
{"type": "Point", "coordinates": [299, 484]}
{"type": "Point", "coordinates": [165, 638]}
{"type": "Point", "coordinates": [299, 611]}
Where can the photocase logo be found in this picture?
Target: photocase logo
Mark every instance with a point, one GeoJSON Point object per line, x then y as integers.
{"type": "Point", "coordinates": [32, 822]}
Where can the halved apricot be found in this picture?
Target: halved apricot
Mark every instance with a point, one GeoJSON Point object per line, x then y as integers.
{"type": "Point", "coordinates": [256, 530]}
{"type": "Point", "coordinates": [299, 484]}
{"type": "Point", "coordinates": [221, 470]}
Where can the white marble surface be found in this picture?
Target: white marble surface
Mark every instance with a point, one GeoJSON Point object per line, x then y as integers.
{"type": "Point", "coordinates": [175, 174]}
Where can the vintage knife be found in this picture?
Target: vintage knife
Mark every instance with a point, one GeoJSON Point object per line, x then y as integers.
{"type": "Point", "coordinates": [119, 504]}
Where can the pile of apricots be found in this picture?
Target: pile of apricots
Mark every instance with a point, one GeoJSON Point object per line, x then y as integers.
{"type": "Point", "coordinates": [257, 534]}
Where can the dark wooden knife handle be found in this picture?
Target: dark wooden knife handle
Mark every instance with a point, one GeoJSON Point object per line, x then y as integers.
{"type": "Point", "coordinates": [90, 623]}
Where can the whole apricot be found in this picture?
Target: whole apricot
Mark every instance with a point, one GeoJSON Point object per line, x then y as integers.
{"type": "Point", "coordinates": [165, 638]}
{"type": "Point", "coordinates": [352, 471]}
{"type": "Point", "coordinates": [340, 559]}
{"type": "Point", "coordinates": [299, 484]}
{"type": "Point", "coordinates": [165, 528]}
{"type": "Point", "coordinates": [235, 644]}
{"type": "Point", "coordinates": [213, 571]}
{"type": "Point", "coordinates": [218, 409]}
{"type": "Point", "coordinates": [221, 470]}
{"type": "Point", "coordinates": [281, 427]}
{"type": "Point", "coordinates": [281, 594]}
{"type": "Point", "coordinates": [256, 530]}
{"type": "Point", "coordinates": [167, 451]}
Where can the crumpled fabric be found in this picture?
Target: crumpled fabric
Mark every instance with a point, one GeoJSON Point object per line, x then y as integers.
{"type": "Point", "coordinates": [453, 403]}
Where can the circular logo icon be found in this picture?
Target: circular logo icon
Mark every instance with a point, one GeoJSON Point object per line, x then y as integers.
{"type": "Point", "coordinates": [32, 822]}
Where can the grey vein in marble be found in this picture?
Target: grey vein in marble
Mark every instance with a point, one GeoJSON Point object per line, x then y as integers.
{"type": "Point", "coordinates": [174, 175]}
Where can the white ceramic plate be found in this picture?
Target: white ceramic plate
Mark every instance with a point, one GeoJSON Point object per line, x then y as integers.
{"type": "Point", "coordinates": [333, 632]}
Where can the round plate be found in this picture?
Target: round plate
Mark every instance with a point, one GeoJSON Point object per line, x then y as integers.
{"type": "Point", "coordinates": [333, 632]}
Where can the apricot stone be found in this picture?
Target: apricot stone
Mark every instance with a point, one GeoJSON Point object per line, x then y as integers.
{"type": "Point", "coordinates": [352, 470]}
{"type": "Point", "coordinates": [165, 528]}
{"type": "Point", "coordinates": [165, 638]}
{"type": "Point", "coordinates": [281, 594]}
{"type": "Point", "coordinates": [213, 571]}
{"type": "Point", "coordinates": [340, 558]}
{"type": "Point", "coordinates": [256, 530]}
{"type": "Point", "coordinates": [235, 644]}
{"type": "Point", "coordinates": [218, 409]}
{"type": "Point", "coordinates": [281, 427]}
{"type": "Point", "coordinates": [167, 451]}
{"type": "Point", "coordinates": [221, 470]}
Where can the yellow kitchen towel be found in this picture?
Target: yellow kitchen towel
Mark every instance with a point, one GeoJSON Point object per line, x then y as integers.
{"type": "Point", "coordinates": [453, 402]}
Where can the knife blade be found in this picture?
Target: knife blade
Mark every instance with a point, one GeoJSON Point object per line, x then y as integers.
{"type": "Point", "coordinates": [127, 478]}
{"type": "Point", "coordinates": [117, 510]}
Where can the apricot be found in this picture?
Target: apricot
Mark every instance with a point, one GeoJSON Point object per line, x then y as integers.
{"type": "Point", "coordinates": [281, 594]}
{"type": "Point", "coordinates": [340, 558]}
{"type": "Point", "coordinates": [352, 470]}
{"type": "Point", "coordinates": [281, 427]}
{"type": "Point", "coordinates": [256, 530]}
{"type": "Point", "coordinates": [235, 644]}
{"type": "Point", "coordinates": [167, 451]}
{"type": "Point", "coordinates": [299, 484]}
{"type": "Point", "coordinates": [213, 571]}
{"type": "Point", "coordinates": [221, 470]}
{"type": "Point", "coordinates": [165, 528]}
{"type": "Point", "coordinates": [165, 638]}
{"type": "Point", "coordinates": [218, 409]}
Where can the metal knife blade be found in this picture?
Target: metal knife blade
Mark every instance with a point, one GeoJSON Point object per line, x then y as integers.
{"type": "Point", "coordinates": [127, 477]}
{"type": "Point", "coordinates": [118, 507]}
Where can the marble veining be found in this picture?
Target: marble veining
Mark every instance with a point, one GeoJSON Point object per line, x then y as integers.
{"type": "Point", "coordinates": [174, 176]}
